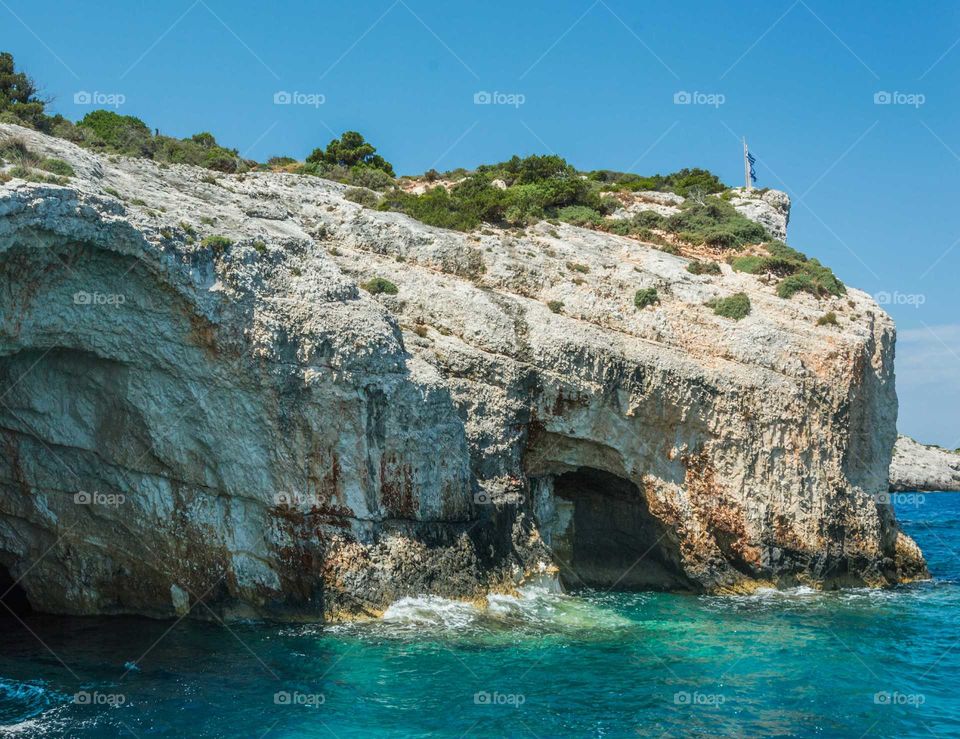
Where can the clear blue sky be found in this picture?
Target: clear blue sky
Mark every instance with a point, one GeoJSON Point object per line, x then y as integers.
{"type": "Point", "coordinates": [875, 187]}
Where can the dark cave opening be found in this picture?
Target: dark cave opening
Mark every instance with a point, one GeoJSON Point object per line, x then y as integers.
{"type": "Point", "coordinates": [13, 596]}
{"type": "Point", "coordinates": [612, 540]}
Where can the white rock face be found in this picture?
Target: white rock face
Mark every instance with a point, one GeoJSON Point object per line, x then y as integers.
{"type": "Point", "coordinates": [920, 467]}
{"type": "Point", "coordinates": [250, 429]}
{"type": "Point", "coordinates": [771, 208]}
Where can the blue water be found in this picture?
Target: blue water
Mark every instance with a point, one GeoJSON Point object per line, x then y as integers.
{"type": "Point", "coordinates": [800, 663]}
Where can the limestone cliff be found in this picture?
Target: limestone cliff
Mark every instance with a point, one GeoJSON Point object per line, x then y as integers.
{"type": "Point", "coordinates": [231, 425]}
{"type": "Point", "coordinates": [918, 466]}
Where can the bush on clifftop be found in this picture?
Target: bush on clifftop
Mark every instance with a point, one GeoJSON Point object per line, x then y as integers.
{"type": "Point", "coordinates": [19, 102]}
{"type": "Point", "coordinates": [797, 272]}
{"type": "Point", "coordinates": [351, 150]}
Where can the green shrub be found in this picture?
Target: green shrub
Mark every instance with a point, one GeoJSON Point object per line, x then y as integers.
{"type": "Point", "coordinates": [620, 226]}
{"type": "Point", "coordinates": [703, 268]}
{"type": "Point", "coordinates": [794, 284]}
{"type": "Point", "coordinates": [815, 279]}
{"type": "Point", "coordinates": [737, 306]}
{"type": "Point", "coordinates": [577, 267]}
{"type": "Point", "coordinates": [798, 273]}
{"type": "Point", "coordinates": [259, 246]}
{"type": "Point", "coordinates": [279, 162]}
{"type": "Point", "coordinates": [58, 167]}
{"type": "Point", "coordinates": [807, 275]}
{"type": "Point", "coordinates": [608, 205]}
{"type": "Point", "coordinates": [15, 151]}
{"type": "Point", "coordinates": [436, 207]}
{"type": "Point", "coordinates": [378, 285]}
{"type": "Point", "coordinates": [751, 264]}
{"type": "Point", "coordinates": [828, 319]}
{"type": "Point", "coordinates": [555, 305]}
{"type": "Point", "coordinates": [646, 296]}
{"type": "Point", "coordinates": [18, 98]}
{"type": "Point", "coordinates": [648, 219]}
{"type": "Point", "coordinates": [217, 243]}
{"type": "Point", "coordinates": [682, 182]}
{"type": "Point", "coordinates": [30, 175]}
{"type": "Point", "coordinates": [369, 177]}
{"type": "Point", "coordinates": [123, 134]}
{"type": "Point", "coordinates": [108, 131]}
{"type": "Point", "coordinates": [716, 223]}
{"type": "Point", "coordinates": [539, 187]}
{"type": "Point", "coordinates": [114, 192]}
{"type": "Point", "coordinates": [579, 215]}
{"type": "Point", "coordinates": [351, 150]}
{"type": "Point", "coordinates": [363, 196]}
{"type": "Point", "coordinates": [528, 170]}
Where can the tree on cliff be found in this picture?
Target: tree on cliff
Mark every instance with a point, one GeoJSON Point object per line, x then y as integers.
{"type": "Point", "coordinates": [18, 97]}
{"type": "Point", "coordinates": [350, 150]}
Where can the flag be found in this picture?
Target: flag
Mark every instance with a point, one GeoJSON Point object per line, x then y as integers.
{"type": "Point", "coordinates": [753, 173]}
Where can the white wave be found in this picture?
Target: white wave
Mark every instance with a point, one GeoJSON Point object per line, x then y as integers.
{"type": "Point", "coordinates": [431, 610]}
{"type": "Point", "coordinates": [801, 591]}
{"type": "Point", "coordinates": [538, 606]}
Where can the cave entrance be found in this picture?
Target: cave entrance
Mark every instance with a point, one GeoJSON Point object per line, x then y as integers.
{"type": "Point", "coordinates": [607, 537]}
{"type": "Point", "coordinates": [13, 596]}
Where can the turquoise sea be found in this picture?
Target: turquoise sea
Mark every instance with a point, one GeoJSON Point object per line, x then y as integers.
{"type": "Point", "coordinates": [800, 663]}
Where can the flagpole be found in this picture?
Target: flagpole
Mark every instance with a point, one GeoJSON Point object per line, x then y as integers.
{"type": "Point", "coordinates": [746, 165]}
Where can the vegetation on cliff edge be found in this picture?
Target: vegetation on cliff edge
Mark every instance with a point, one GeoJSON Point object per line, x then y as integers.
{"type": "Point", "coordinates": [517, 192]}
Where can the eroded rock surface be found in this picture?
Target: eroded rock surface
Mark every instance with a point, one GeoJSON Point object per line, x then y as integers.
{"type": "Point", "coordinates": [921, 467]}
{"type": "Point", "coordinates": [769, 207]}
{"type": "Point", "coordinates": [237, 428]}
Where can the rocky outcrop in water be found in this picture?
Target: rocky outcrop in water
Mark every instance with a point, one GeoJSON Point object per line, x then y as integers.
{"type": "Point", "coordinates": [923, 467]}
{"type": "Point", "coordinates": [201, 411]}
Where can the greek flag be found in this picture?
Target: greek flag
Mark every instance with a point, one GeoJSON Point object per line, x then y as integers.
{"type": "Point", "coordinates": [753, 173]}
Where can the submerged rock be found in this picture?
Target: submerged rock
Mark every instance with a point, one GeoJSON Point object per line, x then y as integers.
{"type": "Point", "coordinates": [923, 467]}
{"type": "Point", "coordinates": [231, 426]}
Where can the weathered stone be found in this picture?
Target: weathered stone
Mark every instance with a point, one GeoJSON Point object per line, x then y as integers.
{"type": "Point", "coordinates": [250, 430]}
{"type": "Point", "coordinates": [921, 467]}
{"type": "Point", "coordinates": [768, 207]}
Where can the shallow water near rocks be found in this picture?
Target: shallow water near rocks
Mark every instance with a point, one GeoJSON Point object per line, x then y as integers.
{"type": "Point", "coordinates": [793, 663]}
